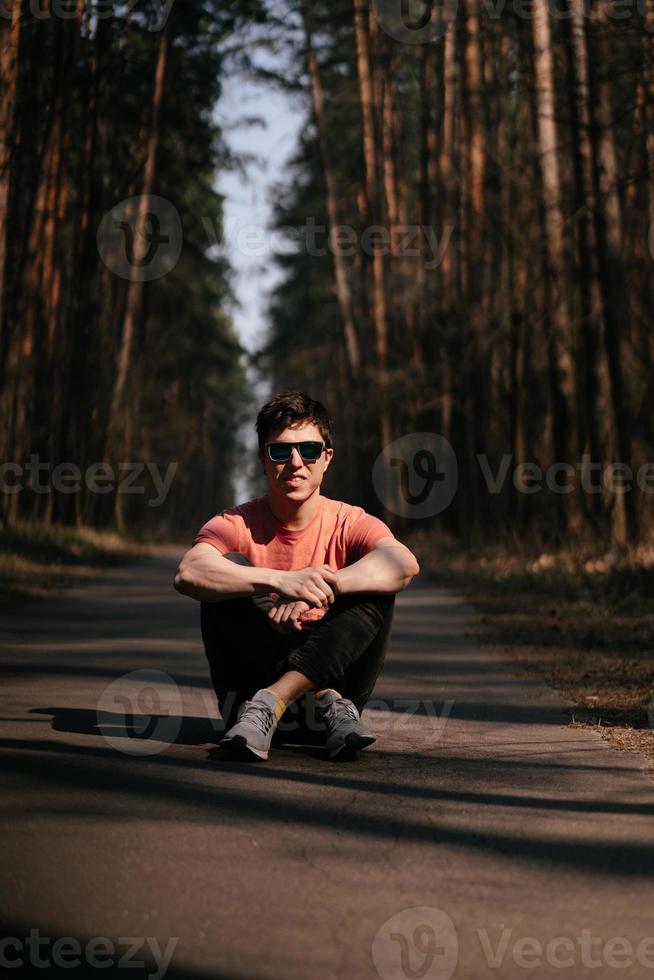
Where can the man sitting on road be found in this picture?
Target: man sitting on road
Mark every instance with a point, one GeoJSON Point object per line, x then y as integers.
{"type": "Point", "coordinates": [297, 592]}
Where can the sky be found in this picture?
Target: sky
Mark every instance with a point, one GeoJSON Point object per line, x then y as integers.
{"type": "Point", "coordinates": [248, 200]}
{"type": "Point", "coordinates": [248, 210]}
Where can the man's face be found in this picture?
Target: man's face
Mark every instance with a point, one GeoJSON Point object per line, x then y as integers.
{"type": "Point", "coordinates": [295, 479]}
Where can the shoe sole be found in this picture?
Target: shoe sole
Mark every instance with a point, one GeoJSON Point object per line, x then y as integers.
{"type": "Point", "coordinates": [351, 745]}
{"type": "Point", "coordinates": [240, 748]}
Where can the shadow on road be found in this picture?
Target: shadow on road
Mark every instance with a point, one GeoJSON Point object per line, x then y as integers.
{"type": "Point", "coordinates": [161, 787]}
{"type": "Point", "coordinates": [33, 949]}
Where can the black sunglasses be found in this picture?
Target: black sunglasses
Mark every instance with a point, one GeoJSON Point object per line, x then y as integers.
{"type": "Point", "coordinates": [280, 452]}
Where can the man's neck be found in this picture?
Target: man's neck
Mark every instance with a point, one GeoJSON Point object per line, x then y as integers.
{"type": "Point", "coordinates": [292, 515]}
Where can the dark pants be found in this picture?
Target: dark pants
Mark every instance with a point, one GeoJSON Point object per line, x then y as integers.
{"type": "Point", "coordinates": [344, 650]}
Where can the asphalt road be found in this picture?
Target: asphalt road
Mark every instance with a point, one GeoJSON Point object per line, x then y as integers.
{"type": "Point", "coordinates": [480, 837]}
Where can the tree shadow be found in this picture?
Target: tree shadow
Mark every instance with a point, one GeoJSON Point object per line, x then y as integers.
{"type": "Point", "coordinates": [159, 788]}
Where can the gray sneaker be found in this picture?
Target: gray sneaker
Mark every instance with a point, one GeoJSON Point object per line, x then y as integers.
{"type": "Point", "coordinates": [346, 733]}
{"type": "Point", "coordinates": [250, 737]}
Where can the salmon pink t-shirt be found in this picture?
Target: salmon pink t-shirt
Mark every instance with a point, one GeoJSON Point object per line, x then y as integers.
{"type": "Point", "coordinates": [337, 535]}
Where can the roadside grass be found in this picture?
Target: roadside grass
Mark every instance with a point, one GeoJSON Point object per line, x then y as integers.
{"type": "Point", "coordinates": [583, 624]}
{"type": "Point", "coordinates": [36, 560]}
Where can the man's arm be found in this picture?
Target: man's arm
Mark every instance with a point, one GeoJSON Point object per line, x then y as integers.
{"type": "Point", "coordinates": [206, 575]}
{"type": "Point", "coordinates": [389, 567]}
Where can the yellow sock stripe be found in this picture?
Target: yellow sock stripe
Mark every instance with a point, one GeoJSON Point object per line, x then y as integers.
{"type": "Point", "coordinates": [280, 707]}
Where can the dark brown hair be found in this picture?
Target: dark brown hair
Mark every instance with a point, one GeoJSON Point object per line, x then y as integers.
{"type": "Point", "coordinates": [288, 409]}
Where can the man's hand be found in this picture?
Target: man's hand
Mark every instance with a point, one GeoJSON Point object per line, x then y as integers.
{"type": "Point", "coordinates": [285, 616]}
{"type": "Point", "coordinates": [315, 585]}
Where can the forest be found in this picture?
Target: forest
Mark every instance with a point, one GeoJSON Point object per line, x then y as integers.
{"type": "Point", "coordinates": [471, 214]}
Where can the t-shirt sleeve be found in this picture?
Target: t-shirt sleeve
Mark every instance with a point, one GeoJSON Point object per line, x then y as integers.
{"type": "Point", "coordinates": [364, 534]}
{"type": "Point", "coordinates": [221, 532]}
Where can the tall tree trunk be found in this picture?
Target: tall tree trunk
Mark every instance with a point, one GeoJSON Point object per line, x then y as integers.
{"type": "Point", "coordinates": [77, 422]}
{"type": "Point", "coordinates": [610, 252]}
{"type": "Point", "coordinates": [648, 44]}
{"type": "Point", "coordinates": [561, 368]}
{"type": "Point", "coordinates": [405, 279]}
{"type": "Point", "coordinates": [342, 285]}
{"type": "Point", "coordinates": [379, 312]}
{"type": "Point", "coordinates": [18, 394]}
{"type": "Point", "coordinates": [357, 391]}
{"type": "Point", "coordinates": [427, 178]}
{"type": "Point", "coordinates": [57, 252]}
{"type": "Point", "coordinates": [472, 212]}
{"type": "Point", "coordinates": [9, 47]}
{"type": "Point", "coordinates": [444, 301]}
{"type": "Point", "coordinates": [593, 370]}
{"type": "Point", "coordinates": [116, 424]}
{"type": "Point", "coordinates": [24, 373]}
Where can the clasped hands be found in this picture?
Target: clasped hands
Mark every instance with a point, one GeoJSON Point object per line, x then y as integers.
{"type": "Point", "coordinates": [300, 590]}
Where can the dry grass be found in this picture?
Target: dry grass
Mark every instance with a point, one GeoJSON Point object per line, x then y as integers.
{"type": "Point", "coordinates": [582, 623]}
{"type": "Point", "coordinates": [37, 560]}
